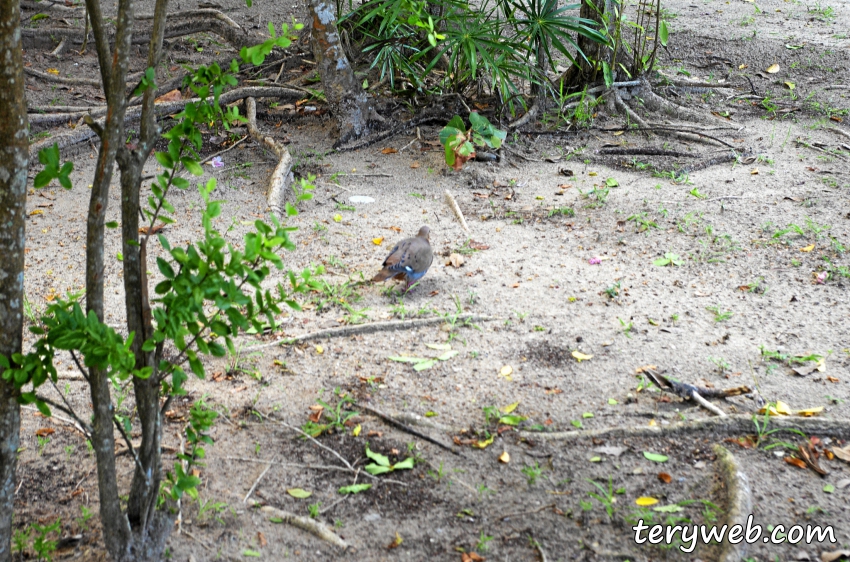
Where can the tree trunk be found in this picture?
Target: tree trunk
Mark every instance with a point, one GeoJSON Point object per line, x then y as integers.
{"type": "Point", "coordinates": [150, 528]}
{"type": "Point", "coordinates": [14, 158]}
{"type": "Point", "coordinates": [345, 95]}
{"type": "Point", "coordinates": [116, 528]}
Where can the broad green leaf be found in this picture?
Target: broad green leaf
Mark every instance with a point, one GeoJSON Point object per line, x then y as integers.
{"type": "Point", "coordinates": [377, 457]}
{"type": "Point", "coordinates": [663, 33]}
{"type": "Point", "coordinates": [406, 464]}
{"type": "Point", "coordinates": [425, 365]}
{"type": "Point", "coordinates": [299, 493]}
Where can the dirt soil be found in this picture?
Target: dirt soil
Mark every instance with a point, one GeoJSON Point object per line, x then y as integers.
{"type": "Point", "coordinates": [559, 259]}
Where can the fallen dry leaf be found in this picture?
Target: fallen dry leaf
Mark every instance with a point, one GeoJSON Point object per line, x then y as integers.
{"type": "Point", "coordinates": [173, 95]}
{"type": "Point", "coordinates": [646, 501]}
{"type": "Point", "coordinates": [455, 260]}
{"type": "Point", "coordinates": [772, 69]}
{"type": "Point", "coordinates": [579, 356]}
{"type": "Point", "coordinates": [664, 477]}
{"type": "Point", "coordinates": [396, 543]}
{"type": "Point", "coordinates": [504, 458]}
{"type": "Point", "coordinates": [506, 371]}
{"type": "Point", "coordinates": [415, 165]}
{"type": "Point", "coordinates": [645, 368]}
{"type": "Point", "coordinates": [377, 241]}
{"type": "Point", "coordinates": [842, 453]}
{"type": "Point", "coordinates": [808, 248]}
{"type": "Point", "coordinates": [471, 557]}
{"type": "Point", "coordinates": [389, 150]}
{"type": "Point", "coordinates": [262, 539]}
{"type": "Point", "coordinates": [799, 463]}
{"type": "Point", "coordinates": [45, 431]}
{"type": "Point", "coordinates": [478, 245]}
{"type": "Point", "coordinates": [53, 71]}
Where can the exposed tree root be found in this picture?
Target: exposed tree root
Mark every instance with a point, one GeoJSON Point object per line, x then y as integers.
{"type": "Point", "coordinates": [838, 131]}
{"type": "Point", "coordinates": [450, 201]}
{"type": "Point", "coordinates": [722, 159]}
{"type": "Point", "coordinates": [730, 425]}
{"type": "Point", "coordinates": [81, 134]}
{"type": "Point", "coordinates": [646, 151]}
{"type": "Point", "coordinates": [739, 502]}
{"type": "Point", "coordinates": [369, 328]}
{"type": "Point", "coordinates": [281, 177]}
{"type": "Point", "coordinates": [441, 117]}
{"type": "Point", "coordinates": [312, 526]}
{"type": "Point", "coordinates": [529, 115]}
{"type": "Point", "coordinates": [203, 21]}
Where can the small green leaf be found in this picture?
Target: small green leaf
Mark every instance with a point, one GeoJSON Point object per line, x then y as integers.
{"type": "Point", "coordinates": [354, 488]}
{"type": "Point", "coordinates": [612, 402]}
{"type": "Point", "coordinates": [655, 457]}
{"type": "Point", "coordinates": [299, 493]}
{"type": "Point", "coordinates": [448, 355]}
{"type": "Point", "coordinates": [112, 224]}
{"type": "Point", "coordinates": [663, 33]}
{"type": "Point", "coordinates": [611, 182]}
{"type": "Point", "coordinates": [829, 488]}
{"type": "Point", "coordinates": [430, 414]}
{"type": "Point", "coordinates": [251, 553]}
{"type": "Point", "coordinates": [673, 508]}
{"type": "Point", "coordinates": [424, 365]}
{"type": "Point", "coordinates": [586, 415]}
{"type": "Point", "coordinates": [512, 420]}
{"type": "Point", "coordinates": [279, 519]}
{"type": "Point", "coordinates": [595, 459]}
{"type": "Point", "coordinates": [377, 457]}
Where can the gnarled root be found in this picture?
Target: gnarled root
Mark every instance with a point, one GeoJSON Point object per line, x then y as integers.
{"type": "Point", "coordinates": [281, 177]}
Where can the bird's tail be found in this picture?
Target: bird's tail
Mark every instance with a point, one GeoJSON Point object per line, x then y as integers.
{"type": "Point", "coordinates": [382, 275]}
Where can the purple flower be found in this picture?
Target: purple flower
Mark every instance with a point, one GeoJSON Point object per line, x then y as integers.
{"type": "Point", "coordinates": [821, 278]}
{"type": "Point", "coordinates": [594, 261]}
{"type": "Point", "coordinates": [216, 162]}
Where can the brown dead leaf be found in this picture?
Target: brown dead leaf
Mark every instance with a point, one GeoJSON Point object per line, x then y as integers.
{"type": "Point", "coordinates": [478, 245]}
{"type": "Point", "coordinates": [396, 543]}
{"type": "Point", "coordinates": [832, 379]}
{"type": "Point", "coordinates": [415, 164]}
{"type": "Point", "coordinates": [835, 556]}
{"type": "Point", "coordinates": [374, 433]}
{"type": "Point", "coordinates": [471, 557]}
{"type": "Point", "coordinates": [173, 95]}
{"type": "Point", "coordinates": [842, 453]}
{"type": "Point", "coordinates": [316, 415]}
{"type": "Point", "coordinates": [262, 539]}
{"type": "Point", "coordinates": [664, 477]}
{"type": "Point", "coordinates": [389, 150]}
{"type": "Point", "coordinates": [799, 463]}
{"type": "Point", "coordinates": [455, 260]}
{"type": "Point", "coordinates": [515, 286]}
{"type": "Point", "coordinates": [45, 431]}
{"type": "Point", "coordinates": [151, 231]}
{"type": "Point", "coordinates": [504, 458]}
{"type": "Point", "coordinates": [746, 441]}
{"type": "Point", "coordinates": [553, 391]}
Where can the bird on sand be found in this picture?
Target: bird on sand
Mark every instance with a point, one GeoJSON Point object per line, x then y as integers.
{"type": "Point", "coordinates": [408, 260]}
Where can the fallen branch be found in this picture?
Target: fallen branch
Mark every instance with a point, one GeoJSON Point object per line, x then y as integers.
{"type": "Point", "coordinates": [368, 328]}
{"type": "Point", "coordinates": [61, 79]}
{"type": "Point", "coordinates": [739, 502]}
{"type": "Point", "coordinates": [685, 390]}
{"type": "Point", "coordinates": [839, 131]}
{"type": "Point", "coordinates": [450, 201]}
{"type": "Point", "coordinates": [398, 425]}
{"type": "Point", "coordinates": [281, 177]}
{"type": "Point", "coordinates": [695, 396]}
{"type": "Point", "coordinates": [730, 425]}
{"type": "Point", "coordinates": [312, 526]}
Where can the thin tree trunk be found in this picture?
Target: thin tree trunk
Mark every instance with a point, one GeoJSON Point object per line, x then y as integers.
{"type": "Point", "coordinates": [116, 529]}
{"type": "Point", "coordinates": [145, 521]}
{"type": "Point", "coordinates": [346, 98]}
{"type": "Point", "coordinates": [14, 157]}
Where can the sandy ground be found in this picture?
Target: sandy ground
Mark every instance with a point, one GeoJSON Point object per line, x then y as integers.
{"type": "Point", "coordinates": [740, 288]}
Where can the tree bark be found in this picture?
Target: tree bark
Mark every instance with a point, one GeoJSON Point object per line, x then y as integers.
{"type": "Point", "coordinates": [14, 158]}
{"type": "Point", "coordinates": [150, 528]}
{"type": "Point", "coordinates": [345, 96]}
{"type": "Point", "coordinates": [116, 528]}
